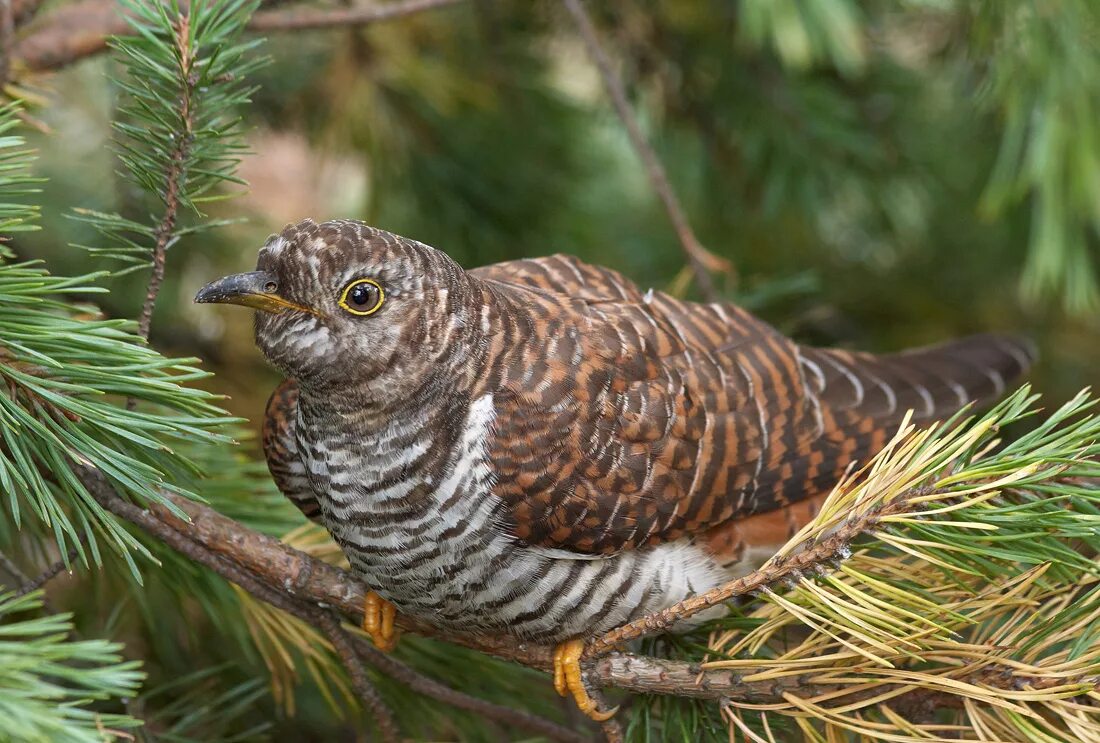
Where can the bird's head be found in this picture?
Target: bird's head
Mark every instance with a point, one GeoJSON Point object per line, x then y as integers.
{"type": "Point", "coordinates": [341, 303]}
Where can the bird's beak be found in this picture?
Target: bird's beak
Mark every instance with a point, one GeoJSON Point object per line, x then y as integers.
{"type": "Point", "coordinates": [257, 289]}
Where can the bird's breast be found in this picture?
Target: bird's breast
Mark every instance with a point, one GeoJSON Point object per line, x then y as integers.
{"type": "Point", "coordinates": [436, 543]}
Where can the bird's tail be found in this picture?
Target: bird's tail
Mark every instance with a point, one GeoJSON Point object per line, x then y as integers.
{"type": "Point", "coordinates": [933, 381]}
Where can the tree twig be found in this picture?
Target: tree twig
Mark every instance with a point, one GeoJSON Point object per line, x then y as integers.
{"type": "Point", "coordinates": [701, 260]}
{"type": "Point", "coordinates": [298, 19]}
{"type": "Point", "coordinates": [14, 571]}
{"type": "Point", "coordinates": [297, 583]}
{"type": "Point", "coordinates": [105, 495]}
{"type": "Point", "coordinates": [612, 730]}
{"type": "Point", "coordinates": [173, 176]}
{"type": "Point", "coordinates": [421, 684]}
{"type": "Point", "coordinates": [771, 573]}
{"type": "Point", "coordinates": [74, 32]}
{"type": "Point", "coordinates": [342, 644]}
{"type": "Point", "coordinates": [300, 575]}
{"type": "Point", "coordinates": [51, 572]}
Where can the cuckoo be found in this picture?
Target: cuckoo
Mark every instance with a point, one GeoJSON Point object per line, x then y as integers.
{"type": "Point", "coordinates": [542, 449]}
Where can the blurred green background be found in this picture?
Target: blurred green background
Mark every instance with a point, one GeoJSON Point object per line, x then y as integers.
{"type": "Point", "coordinates": [880, 175]}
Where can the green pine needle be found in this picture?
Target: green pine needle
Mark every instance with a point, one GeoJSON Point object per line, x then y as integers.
{"type": "Point", "coordinates": [50, 684]}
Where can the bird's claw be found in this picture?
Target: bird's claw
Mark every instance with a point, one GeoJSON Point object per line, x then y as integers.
{"type": "Point", "coordinates": [378, 617]}
{"type": "Point", "coordinates": [567, 680]}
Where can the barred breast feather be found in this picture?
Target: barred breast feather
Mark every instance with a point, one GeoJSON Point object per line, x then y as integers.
{"type": "Point", "coordinates": [583, 452]}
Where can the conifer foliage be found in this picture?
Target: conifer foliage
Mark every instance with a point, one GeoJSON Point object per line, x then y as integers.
{"type": "Point", "coordinates": [947, 590]}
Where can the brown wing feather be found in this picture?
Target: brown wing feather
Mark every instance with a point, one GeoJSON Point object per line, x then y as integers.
{"type": "Point", "coordinates": [281, 450]}
{"type": "Point", "coordinates": [627, 419]}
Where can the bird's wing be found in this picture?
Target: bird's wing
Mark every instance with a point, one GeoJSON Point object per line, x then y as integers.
{"type": "Point", "coordinates": [633, 418]}
{"type": "Point", "coordinates": [562, 276]}
{"type": "Point", "coordinates": [281, 449]}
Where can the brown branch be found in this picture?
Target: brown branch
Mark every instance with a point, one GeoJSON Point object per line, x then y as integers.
{"type": "Point", "coordinates": [15, 572]}
{"type": "Point", "coordinates": [290, 580]}
{"type": "Point", "coordinates": [51, 572]}
{"type": "Point", "coordinates": [701, 260]}
{"type": "Point", "coordinates": [284, 577]}
{"type": "Point", "coordinates": [421, 684]}
{"type": "Point", "coordinates": [69, 34]}
{"type": "Point", "coordinates": [612, 730]}
{"type": "Point", "coordinates": [296, 576]}
{"type": "Point", "coordinates": [106, 496]}
{"type": "Point", "coordinates": [305, 577]}
{"type": "Point", "coordinates": [297, 19]}
{"type": "Point", "coordinates": [298, 584]}
{"type": "Point", "coordinates": [80, 30]}
{"type": "Point", "coordinates": [174, 174]}
{"type": "Point", "coordinates": [773, 572]}
{"type": "Point", "coordinates": [344, 648]}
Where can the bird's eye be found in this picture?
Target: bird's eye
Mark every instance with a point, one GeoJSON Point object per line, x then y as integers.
{"type": "Point", "coordinates": [362, 297]}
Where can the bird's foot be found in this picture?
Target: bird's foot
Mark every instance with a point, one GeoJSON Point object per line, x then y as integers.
{"type": "Point", "coordinates": [567, 679]}
{"type": "Point", "coordinates": [378, 616]}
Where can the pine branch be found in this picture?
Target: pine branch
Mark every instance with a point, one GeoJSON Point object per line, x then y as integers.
{"type": "Point", "coordinates": [901, 485]}
{"type": "Point", "coordinates": [47, 682]}
{"type": "Point", "coordinates": [455, 698]}
{"type": "Point", "coordinates": [80, 30]}
{"type": "Point", "coordinates": [52, 571]}
{"type": "Point", "coordinates": [367, 693]}
{"type": "Point", "coordinates": [701, 260]}
{"type": "Point", "coordinates": [21, 578]}
{"type": "Point", "coordinates": [177, 161]}
{"type": "Point", "coordinates": [285, 577]}
{"type": "Point", "coordinates": [180, 136]}
{"type": "Point", "coordinates": [62, 370]}
{"type": "Point", "coordinates": [298, 19]}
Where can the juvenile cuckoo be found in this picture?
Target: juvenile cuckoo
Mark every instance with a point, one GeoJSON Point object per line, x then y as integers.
{"type": "Point", "coordinates": [540, 448]}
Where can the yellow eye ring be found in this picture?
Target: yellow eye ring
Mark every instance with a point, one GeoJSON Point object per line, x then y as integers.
{"type": "Point", "coordinates": [362, 297]}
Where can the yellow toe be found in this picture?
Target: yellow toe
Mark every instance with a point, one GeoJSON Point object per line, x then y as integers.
{"type": "Point", "coordinates": [567, 679]}
{"type": "Point", "coordinates": [378, 621]}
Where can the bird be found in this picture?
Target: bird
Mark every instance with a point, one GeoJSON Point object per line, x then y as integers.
{"type": "Point", "coordinates": [539, 448]}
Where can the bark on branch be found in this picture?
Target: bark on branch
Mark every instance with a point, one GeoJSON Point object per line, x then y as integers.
{"type": "Point", "coordinates": [303, 586]}
{"type": "Point", "coordinates": [700, 260]}
{"type": "Point", "coordinates": [247, 557]}
{"type": "Point", "coordinates": [74, 32]}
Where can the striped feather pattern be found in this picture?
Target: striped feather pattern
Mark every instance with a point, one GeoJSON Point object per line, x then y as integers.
{"type": "Point", "coordinates": [539, 447]}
